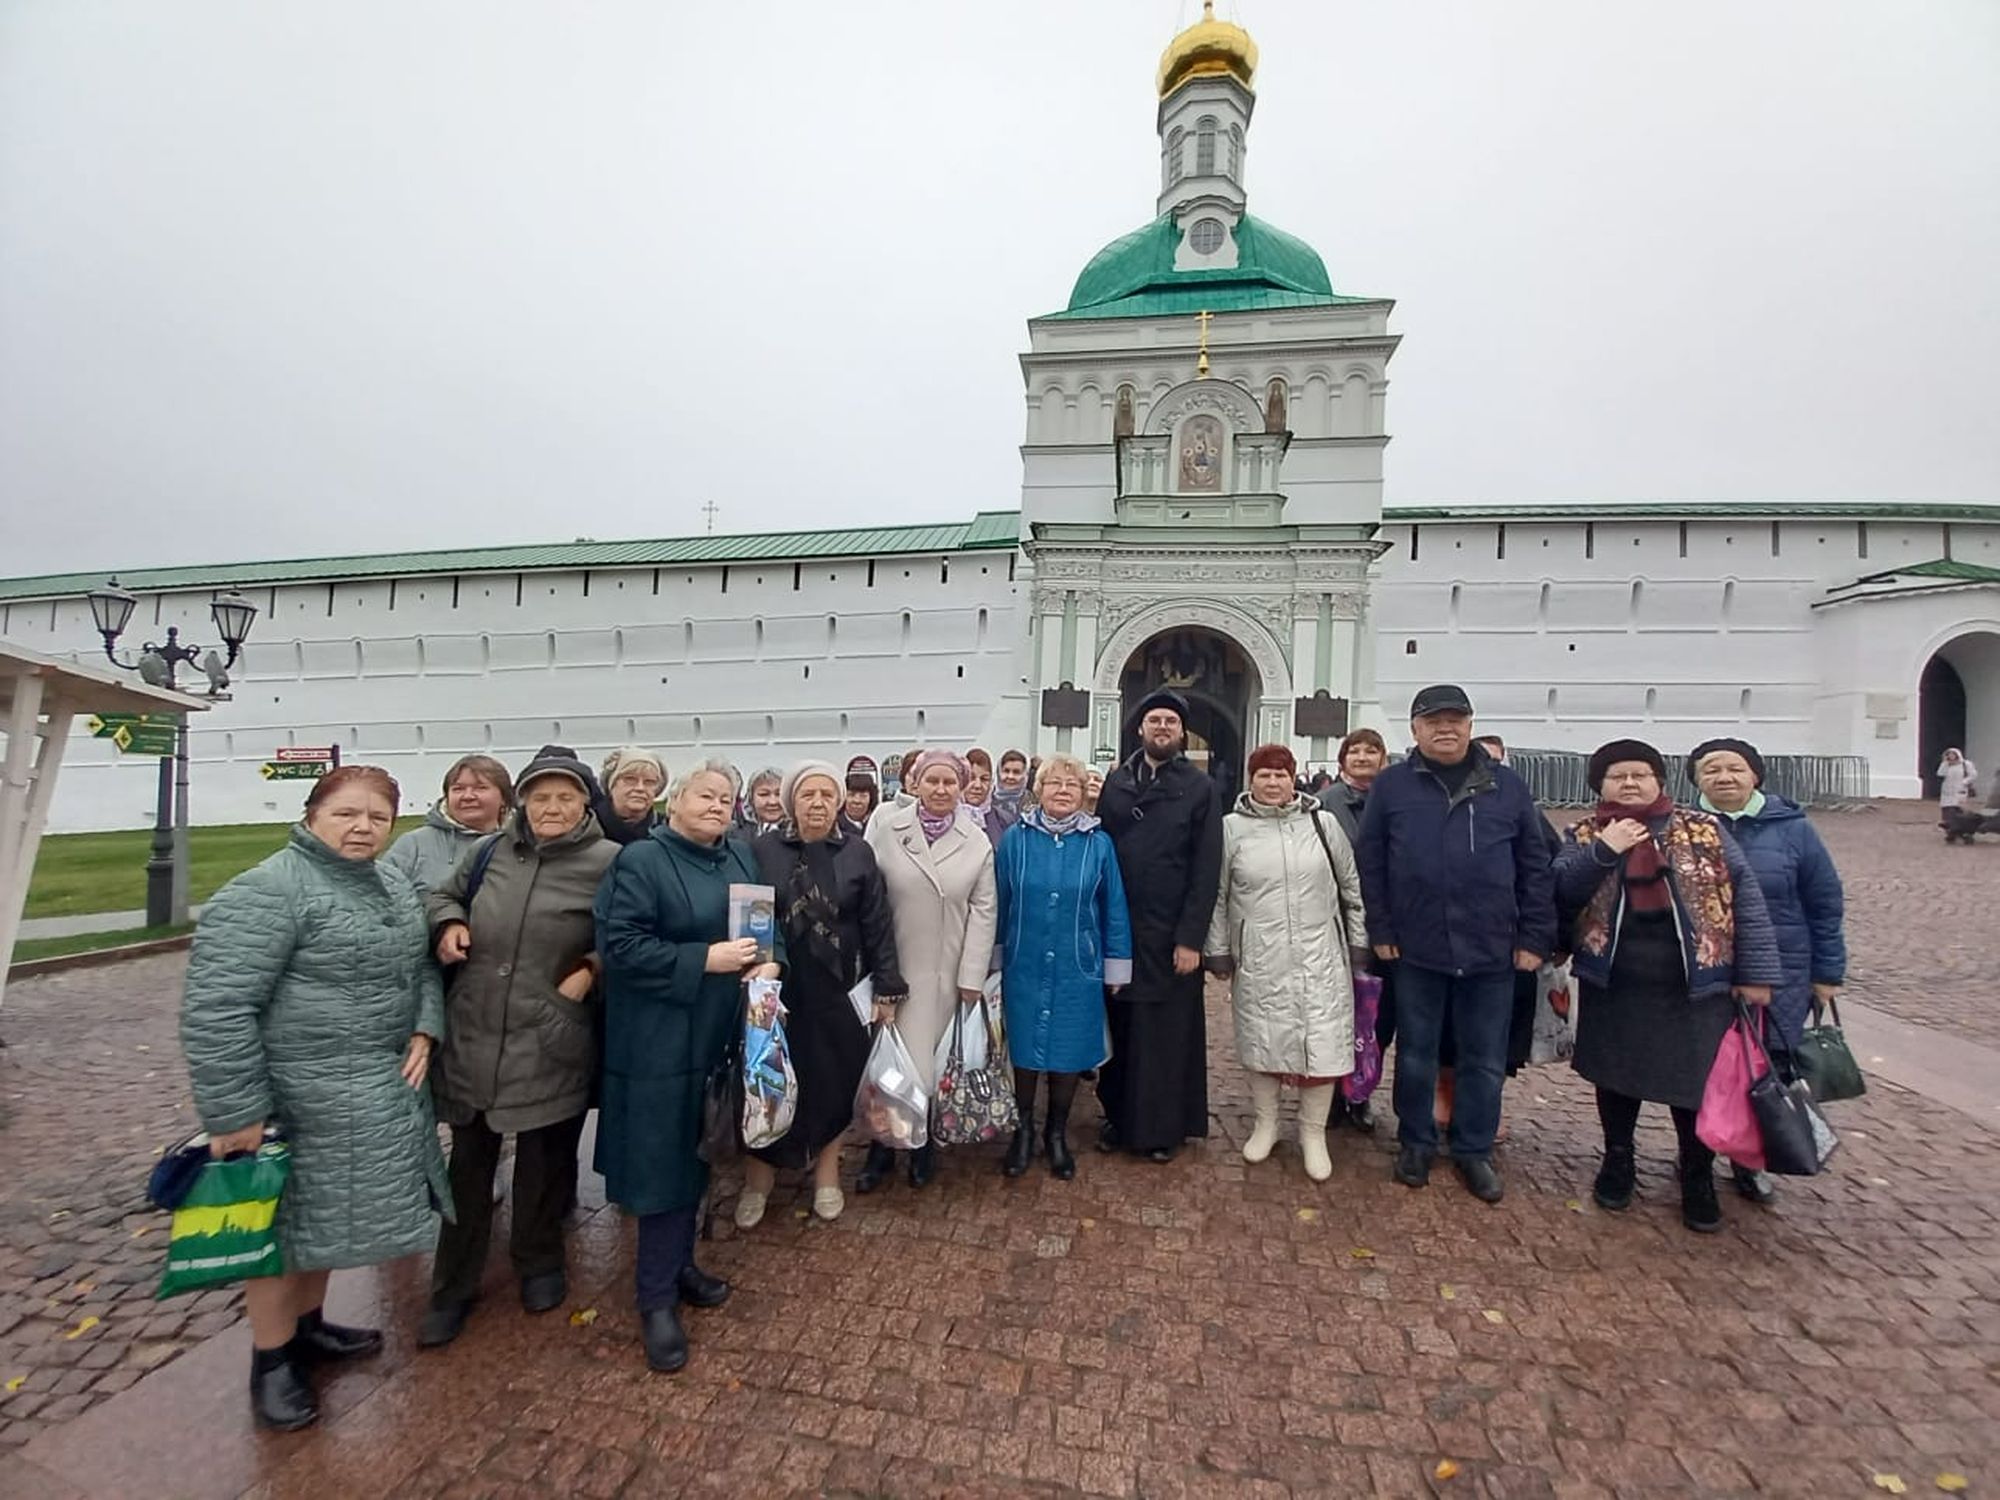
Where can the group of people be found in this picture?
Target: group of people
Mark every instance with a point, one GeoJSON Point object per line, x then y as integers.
{"type": "Point", "coordinates": [554, 941]}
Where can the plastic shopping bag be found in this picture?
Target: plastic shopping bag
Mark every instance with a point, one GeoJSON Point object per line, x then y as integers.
{"type": "Point", "coordinates": [770, 1085]}
{"type": "Point", "coordinates": [1726, 1123]}
{"type": "Point", "coordinates": [1360, 1084]}
{"type": "Point", "coordinates": [892, 1107]}
{"type": "Point", "coordinates": [1554, 1035]}
{"type": "Point", "coordinates": [223, 1225]}
{"type": "Point", "coordinates": [972, 1023]}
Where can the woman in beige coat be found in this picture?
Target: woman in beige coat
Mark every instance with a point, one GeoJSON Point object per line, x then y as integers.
{"type": "Point", "coordinates": [938, 865]}
{"type": "Point", "coordinates": [1287, 914]}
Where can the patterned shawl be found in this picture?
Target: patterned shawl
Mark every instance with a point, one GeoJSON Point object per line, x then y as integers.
{"type": "Point", "coordinates": [1697, 876]}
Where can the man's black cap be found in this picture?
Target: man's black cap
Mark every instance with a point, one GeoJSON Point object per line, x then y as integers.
{"type": "Point", "coordinates": [1444, 698]}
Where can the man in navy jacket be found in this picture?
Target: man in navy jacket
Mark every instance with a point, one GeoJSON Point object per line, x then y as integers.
{"type": "Point", "coordinates": [1456, 878]}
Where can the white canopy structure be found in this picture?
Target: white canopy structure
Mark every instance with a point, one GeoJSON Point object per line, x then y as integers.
{"type": "Point", "coordinates": [40, 698]}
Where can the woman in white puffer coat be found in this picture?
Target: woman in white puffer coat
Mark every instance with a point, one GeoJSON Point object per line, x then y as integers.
{"type": "Point", "coordinates": [1287, 914]}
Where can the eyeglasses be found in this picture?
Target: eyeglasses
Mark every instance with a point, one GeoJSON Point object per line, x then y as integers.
{"type": "Point", "coordinates": [1630, 776]}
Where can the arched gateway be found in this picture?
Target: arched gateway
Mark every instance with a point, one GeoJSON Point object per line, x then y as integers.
{"type": "Point", "coordinates": [1958, 705]}
{"type": "Point", "coordinates": [1221, 686]}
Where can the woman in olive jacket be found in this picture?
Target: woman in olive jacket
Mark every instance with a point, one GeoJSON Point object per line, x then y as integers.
{"type": "Point", "coordinates": [513, 926]}
{"type": "Point", "coordinates": [673, 993]}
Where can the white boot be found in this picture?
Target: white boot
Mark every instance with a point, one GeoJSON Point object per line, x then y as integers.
{"type": "Point", "coordinates": [1315, 1104]}
{"type": "Point", "coordinates": [1264, 1097]}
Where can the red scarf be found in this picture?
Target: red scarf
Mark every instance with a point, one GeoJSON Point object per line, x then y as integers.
{"type": "Point", "coordinates": [1645, 865]}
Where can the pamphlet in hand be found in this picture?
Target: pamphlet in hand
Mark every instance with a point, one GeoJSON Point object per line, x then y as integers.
{"type": "Point", "coordinates": [863, 997]}
{"type": "Point", "coordinates": [753, 913]}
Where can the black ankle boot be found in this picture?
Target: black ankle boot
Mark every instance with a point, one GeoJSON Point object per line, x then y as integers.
{"type": "Point", "coordinates": [280, 1397]}
{"type": "Point", "coordinates": [1699, 1209]}
{"type": "Point", "coordinates": [1615, 1179]}
{"type": "Point", "coordinates": [666, 1341]}
{"type": "Point", "coordinates": [1061, 1164]}
{"type": "Point", "coordinates": [319, 1342]}
{"type": "Point", "coordinates": [923, 1165]}
{"type": "Point", "coordinates": [881, 1161]}
{"type": "Point", "coordinates": [1021, 1150]}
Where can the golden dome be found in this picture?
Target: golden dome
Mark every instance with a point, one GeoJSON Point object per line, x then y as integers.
{"type": "Point", "coordinates": [1208, 49]}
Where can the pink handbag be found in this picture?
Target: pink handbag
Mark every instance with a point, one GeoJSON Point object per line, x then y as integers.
{"type": "Point", "coordinates": [1726, 1123]}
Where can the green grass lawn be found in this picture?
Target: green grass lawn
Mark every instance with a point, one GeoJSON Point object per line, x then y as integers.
{"type": "Point", "coordinates": [90, 942]}
{"type": "Point", "coordinates": [91, 872]}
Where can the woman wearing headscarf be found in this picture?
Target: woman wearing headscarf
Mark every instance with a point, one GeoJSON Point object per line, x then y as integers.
{"type": "Point", "coordinates": [312, 1005]}
{"type": "Point", "coordinates": [1957, 784]}
{"type": "Point", "coordinates": [834, 910]}
{"type": "Point", "coordinates": [1289, 933]}
{"type": "Point", "coordinates": [1801, 891]}
{"type": "Point", "coordinates": [673, 993]}
{"type": "Point", "coordinates": [513, 925]}
{"type": "Point", "coordinates": [1668, 929]}
{"type": "Point", "coordinates": [632, 781]}
{"type": "Point", "coordinates": [478, 796]}
{"type": "Point", "coordinates": [938, 865]}
{"type": "Point", "coordinates": [1065, 938]}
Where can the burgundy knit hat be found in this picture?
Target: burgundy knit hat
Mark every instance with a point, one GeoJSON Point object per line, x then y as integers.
{"type": "Point", "coordinates": [1273, 757]}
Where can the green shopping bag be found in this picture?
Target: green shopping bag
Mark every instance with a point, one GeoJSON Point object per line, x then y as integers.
{"type": "Point", "coordinates": [223, 1228]}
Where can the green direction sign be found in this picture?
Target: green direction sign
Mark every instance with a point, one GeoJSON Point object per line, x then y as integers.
{"type": "Point", "coordinates": [293, 770]}
{"type": "Point", "coordinates": [106, 726]}
{"type": "Point", "coordinates": [144, 739]}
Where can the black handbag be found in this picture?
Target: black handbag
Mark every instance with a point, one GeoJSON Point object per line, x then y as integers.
{"type": "Point", "coordinates": [1797, 1139]}
{"type": "Point", "coordinates": [1825, 1061]}
{"type": "Point", "coordinates": [722, 1105]}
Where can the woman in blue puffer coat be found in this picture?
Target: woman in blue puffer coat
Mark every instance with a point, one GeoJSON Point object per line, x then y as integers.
{"type": "Point", "coordinates": [1801, 888]}
{"type": "Point", "coordinates": [1065, 936]}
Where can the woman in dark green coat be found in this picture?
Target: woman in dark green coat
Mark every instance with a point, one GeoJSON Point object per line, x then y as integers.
{"type": "Point", "coordinates": [312, 1005]}
{"type": "Point", "coordinates": [673, 992]}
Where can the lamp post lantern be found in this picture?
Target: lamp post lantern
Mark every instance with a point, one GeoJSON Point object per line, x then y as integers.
{"type": "Point", "coordinates": [111, 610]}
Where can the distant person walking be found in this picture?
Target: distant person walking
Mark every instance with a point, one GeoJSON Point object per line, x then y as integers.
{"type": "Point", "coordinates": [1957, 784]}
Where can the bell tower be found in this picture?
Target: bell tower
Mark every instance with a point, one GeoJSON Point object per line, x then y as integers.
{"type": "Point", "coordinates": [1206, 86]}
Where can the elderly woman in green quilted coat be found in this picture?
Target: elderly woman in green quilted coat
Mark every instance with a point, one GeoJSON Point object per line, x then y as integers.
{"type": "Point", "coordinates": [312, 1006]}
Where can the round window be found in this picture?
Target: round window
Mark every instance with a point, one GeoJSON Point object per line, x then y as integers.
{"type": "Point", "coordinates": [1206, 236]}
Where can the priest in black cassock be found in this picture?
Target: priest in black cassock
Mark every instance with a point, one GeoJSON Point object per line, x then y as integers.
{"type": "Point", "coordinates": [1161, 812]}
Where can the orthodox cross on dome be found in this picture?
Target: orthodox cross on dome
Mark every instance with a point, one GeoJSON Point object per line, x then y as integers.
{"type": "Point", "coordinates": [1201, 364]}
{"type": "Point", "coordinates": [709, 510]}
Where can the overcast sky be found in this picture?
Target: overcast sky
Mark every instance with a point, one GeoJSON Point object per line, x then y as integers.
{"type": "Point", "coordinates": [315, 277]}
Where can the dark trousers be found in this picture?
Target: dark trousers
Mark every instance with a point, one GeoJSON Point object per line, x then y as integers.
{"type": "Point", "coordinates": [1619, 1115]}
{"type": "Point", "coordinates": [666, 1248]}
{"type": "Point", "coordinates": [544, 1178]}
{"type": "Point", "coordinates": [1481, 1007]}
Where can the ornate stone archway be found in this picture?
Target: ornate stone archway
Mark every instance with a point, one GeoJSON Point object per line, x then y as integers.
{"type": "Point", "coordinates": [1266, 717]}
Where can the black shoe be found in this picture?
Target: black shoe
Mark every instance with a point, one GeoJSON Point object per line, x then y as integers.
{"type": "Point", "coordinates": [443, 1323]}
{"type": "Point", "coordinates": [1756, 1186]}
{"type": "Point", "coordinates": [1062, 1165]}
{"type": "Point", "coordinates": [881, 1161]}
{"type": "Point", "coordinates": [1361, 1116]}
{"type": "Point", "coordinates": [544, 1293]}
{"type": "Point", "coordinates": [666, 1341]}
{"type": "Point", "coordinates": [1615, 1179]}
{"type": "Point", "coordinates": [699, 1289]}
{"type": "Point", "coordinates": [1107, 1138]}
{"type": "Point", "coordinates": [319, 1342]}
{"type": "Point", "coordinates": [1480, 1180]}
{"type": "Point", "coordinates": [1020, 1150]}
{"type": "Point", "coordinates": [280, 1397]}
{"type": "Point", "coordinates": [1161, 1155]}
{"type": "Point", "coordinates": [923, 1165]}
{"type": "Point", "coordinates": [1413, 1167]}
{"type": "Point", "coordinates": [1699, 1210]}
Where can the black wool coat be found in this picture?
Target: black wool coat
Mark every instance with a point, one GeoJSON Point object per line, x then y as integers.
{"type": "Point", "coordinates": [1167, 828]}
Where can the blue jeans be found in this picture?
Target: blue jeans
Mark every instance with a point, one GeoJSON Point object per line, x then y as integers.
{"type": "Point", "coordinates": [1481, 1008]}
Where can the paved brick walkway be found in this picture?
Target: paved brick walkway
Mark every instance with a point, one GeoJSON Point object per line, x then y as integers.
{"type": "Point", "coordinates": [1203, 1328]}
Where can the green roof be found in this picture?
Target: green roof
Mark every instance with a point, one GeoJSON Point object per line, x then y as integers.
{"type": "Point", "coordinates": [1943, 567]}
{"type": "Point", "coordinates": [1134, 276]}
{"type": "Point", "coordinates": [987, 531]}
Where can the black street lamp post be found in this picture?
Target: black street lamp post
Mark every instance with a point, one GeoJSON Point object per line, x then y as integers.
{"type": "Point", "coordinates": [111, 608]}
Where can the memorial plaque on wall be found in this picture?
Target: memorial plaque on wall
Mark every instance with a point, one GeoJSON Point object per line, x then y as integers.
{"type": "Point", "coordinates": [1321, 716]}
{"type": "Point", "coordinates": [1065, 707]}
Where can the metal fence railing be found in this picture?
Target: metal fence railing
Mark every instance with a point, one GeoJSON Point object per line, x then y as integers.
{"type": "Point", "coordinates": [1557, 777]}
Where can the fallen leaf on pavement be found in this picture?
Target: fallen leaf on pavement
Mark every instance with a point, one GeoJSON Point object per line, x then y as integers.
{"type": "Point", "coordinates": [1494, 1315]}
{"type": "Point", "coordinates": [1446, 1469]}
{"type": "Point", "coordinates": [1361, 1252]}
{"type": "Point", "coordinates": [1574, 1205]}
{"type": "Point", "coordinates": [583, 1317]}
{"type": "Point", "coordinates": [1307, 1215]}
{"type": "Point", "coordinates": [16, 1383]}
{"type": "Point", "coordinates": [1893, 1483]}
{"type": "Point", "coordinates": [142, 1231]}
{"type": "Point", "coordinates": [1449, 1293]}
{"type": "Point", "coordinates": [1951, 1484]}
{"type": "Point", "coordinates": [83, 1327]}
{"type": "Point", "coordinates": [1088, 1223]}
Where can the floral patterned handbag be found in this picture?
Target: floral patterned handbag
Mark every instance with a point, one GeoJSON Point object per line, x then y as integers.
{"type": "Point", "coordinates": [973, 1105]}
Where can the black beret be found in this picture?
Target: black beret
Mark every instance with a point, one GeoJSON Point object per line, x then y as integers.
{"type": "Point", "coordinates": [1742, 747]}
{"type": "Point", "coordinates": [1608, 755]}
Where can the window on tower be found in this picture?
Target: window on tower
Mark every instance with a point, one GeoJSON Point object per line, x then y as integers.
{"type": "Point", "coordinates": [1236, 153]}
{"type": "Point", "coordinates": [1204, 146]}
{"type": "Point", "coordinates": [1205, 238]}
{"type": "Point", "coordinates": [1176, 157]}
